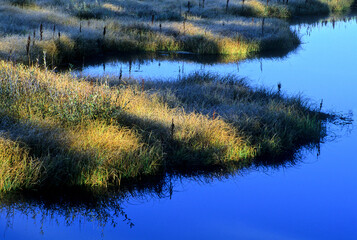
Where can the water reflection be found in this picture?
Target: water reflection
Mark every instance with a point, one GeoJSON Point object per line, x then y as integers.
{"type": "Point", "coordinates": [102, 207]}
{"type": "Point", "coordinates": [105, 208]}
{"type": "Point", "coordinates": [148, 65]}
{"type": "Point", "coordinates": [78, 206]}
{"type": "Point", "coordinates": [67, 208]}
{"type": "Point", "coordinates": [163, 65]}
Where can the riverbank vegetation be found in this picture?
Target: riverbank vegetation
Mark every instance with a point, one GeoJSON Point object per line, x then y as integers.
{"type": "Point", "coordinates": [76, 31]}
{"type": "Point", "coordinates": [290, 9]}
{"type": "Point", "coordinates": [57, 130]}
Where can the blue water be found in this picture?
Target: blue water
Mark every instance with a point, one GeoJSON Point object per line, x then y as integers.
{"type": "Point", "coordinates": [316, 199]}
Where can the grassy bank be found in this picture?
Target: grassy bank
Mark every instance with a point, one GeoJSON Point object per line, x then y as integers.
{"type": "Point", "coordinates": [76, 31]}
{"type": "Point", "coordinates": [57, 130]}
{"type": "Point", "coordinates": [69, 31]}
{"type": "Point", "coordinates": [290, 9]}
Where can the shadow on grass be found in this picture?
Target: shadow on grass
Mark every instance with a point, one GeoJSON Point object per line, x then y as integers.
{"type": "Point", "coordinates": [60, 165]}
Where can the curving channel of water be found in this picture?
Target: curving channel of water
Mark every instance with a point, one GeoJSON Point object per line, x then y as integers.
{"type": "Point", "coordinates": [315, 199]}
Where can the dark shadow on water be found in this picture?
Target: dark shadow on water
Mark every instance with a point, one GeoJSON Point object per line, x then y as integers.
{"type": "Point", "coordinates": [103, 208]}
{"type": "Point", "coordinates": [187, 57]}
{"type": "Point", "coordinates": [318, 20]}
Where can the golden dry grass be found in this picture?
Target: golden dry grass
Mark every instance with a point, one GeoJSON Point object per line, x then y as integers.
{"type": "Point", "coordinates": [65, 131]}
{"type": "Point", "coordinates": [129, 28]}
{"type": "Point", "coordinates": [93, 135]}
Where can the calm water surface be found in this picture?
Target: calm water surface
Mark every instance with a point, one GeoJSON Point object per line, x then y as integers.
{"type": "Point", "coordinates": [316, 199]}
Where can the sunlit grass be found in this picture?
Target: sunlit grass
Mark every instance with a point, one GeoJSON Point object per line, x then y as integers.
{"type": "Point", "coordinates": [270, 121]}
{"type": "Point", "coordinates": [68, 36]}
{"type": "Point", "coordinates": [63, 131]}
{"type": "Point", "coordinates": [69, 126]}
{"type": "Point", "coordinates": [74, 30]}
